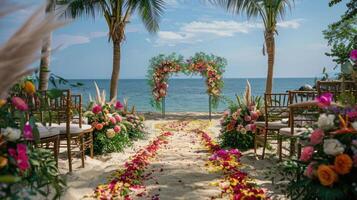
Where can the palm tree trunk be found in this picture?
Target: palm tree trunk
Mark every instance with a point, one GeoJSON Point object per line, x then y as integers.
{"type": "Point", "coordinates": [46, 54]}
{"type": "Point", "coordinates": [270, 43]}
{"type": "Point", "coordinates": [45, 63]}
{"type": "Point", "coordinates": [116, 70]}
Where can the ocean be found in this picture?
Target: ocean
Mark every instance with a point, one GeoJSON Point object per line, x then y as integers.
{"type": "Point", "coordinates": [185, 94]}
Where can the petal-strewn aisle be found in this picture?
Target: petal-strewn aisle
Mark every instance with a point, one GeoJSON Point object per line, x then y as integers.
{"type": "Point", "coordinates": [179, 171]}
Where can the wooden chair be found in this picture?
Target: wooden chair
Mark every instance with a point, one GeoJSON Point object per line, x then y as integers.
{"type": "Point", "coordinates": [337, 87]}
{"type": "Point", "coordinates": [276, 110]}
{"type": "Point", "coordinates": [302, 113]}
{"type": "Point", "coordinates": [60, 110]}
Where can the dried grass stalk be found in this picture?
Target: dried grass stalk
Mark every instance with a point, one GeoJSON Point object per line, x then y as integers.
{"type": "Point", "coordinates": [23, 46]}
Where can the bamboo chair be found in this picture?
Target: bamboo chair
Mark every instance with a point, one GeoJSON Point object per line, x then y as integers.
{"type": "Point", "coordinates": [59, 117]}
{"type": "Point", "coordinates": [302, 113]}
{"type": "Point", "coordinates": [337, 87]}
{"type": "Point", "coordinates": [276, 109]}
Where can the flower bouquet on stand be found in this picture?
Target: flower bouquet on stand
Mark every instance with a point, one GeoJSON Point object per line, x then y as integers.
{"type": "Point", "coordinates": [238, 122]}
{"type": "Point", "coordinates": [327, 167]}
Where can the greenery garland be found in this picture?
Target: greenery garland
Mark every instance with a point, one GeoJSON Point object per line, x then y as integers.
{"type": "Point", "coordinates": [163, 67]}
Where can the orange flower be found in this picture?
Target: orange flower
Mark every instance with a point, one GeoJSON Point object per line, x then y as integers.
{"type": "Point", "coordinates": [29, 87]}
{"type": "Point", "coordinates": [3, 162]}
{"type": "Point", "coordinates": [2, 102]}
{"type": "Point", "coordinates": [99, 127]}
{"type": "Point", "coordinates": [343, 164]}
{"type": "Point", "coordinates": [326, 175]}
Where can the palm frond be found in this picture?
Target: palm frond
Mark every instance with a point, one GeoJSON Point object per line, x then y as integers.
{"type": "Point", "coordinates": [149, 11]}
{"type": "Point", "coordinates": [78, 8]}
{"type": "Point", "coordinates": [20, 50]}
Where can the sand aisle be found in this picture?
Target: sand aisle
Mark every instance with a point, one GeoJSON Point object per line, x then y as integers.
{"type": "Point", "coordinates": [179, 171]}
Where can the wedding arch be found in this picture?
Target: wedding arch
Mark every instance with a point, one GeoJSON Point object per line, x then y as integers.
{"type": "Point", "coordinates": [162, 67]}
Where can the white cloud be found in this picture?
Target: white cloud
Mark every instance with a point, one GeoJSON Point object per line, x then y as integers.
{"type": "Point", "coordinates": [66, 40]}
{"type": "Point", "coordinates": [197, 31]}
{"type": "Point", "coordinates": [294, 24]}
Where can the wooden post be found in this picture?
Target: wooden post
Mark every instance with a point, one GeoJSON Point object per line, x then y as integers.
{"type": "Point", "coordinates": [163, 107]}
{"type": "Point", "coordinates": [210, 107]}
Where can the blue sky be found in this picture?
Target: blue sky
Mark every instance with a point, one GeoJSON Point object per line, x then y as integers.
{"type": "Point", "coordinates": [190, 26]}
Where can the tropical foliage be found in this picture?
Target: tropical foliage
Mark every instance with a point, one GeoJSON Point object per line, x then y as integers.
{"type": "Point", "coordinates": [24, 169]}
{"type": "Point", "coordinates": [269, 11]}
{"type": "Point", "coordinates": [117, 14]}
{"type": "Point", "coordinates": [162, 67]}
{"type": "Point", "coordinates": [237, 123]}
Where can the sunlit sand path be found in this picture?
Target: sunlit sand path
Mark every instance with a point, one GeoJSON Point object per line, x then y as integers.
{"type": "Point", "coordinates": [179, 171]}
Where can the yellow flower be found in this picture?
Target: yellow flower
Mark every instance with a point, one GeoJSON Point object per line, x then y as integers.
{"type": "Point", "coordinates": [343, 164]}
{"type": "Point", "coordinates": [29, 87]}
{"type": "Point", "coordinates": [326, 175]}
{"type": "Point", "coordinates": [2, 102]}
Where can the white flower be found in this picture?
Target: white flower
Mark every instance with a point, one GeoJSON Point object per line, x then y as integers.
{"type": "Point", "coordinates": [354, 125]}
{"type": "Point", "coordinates": [110, 133]}
{"type": "Point", "coordinates": [243, 130]}
{"type": "Point", "coordinates": [333, 147]}
{"type": "Point", "coordinates": [326, 121]}
{"type": "Point", "coordinates": [11, 134]}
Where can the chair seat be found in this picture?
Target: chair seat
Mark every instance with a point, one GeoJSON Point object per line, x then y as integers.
{"type": "Point", "coordinates": [276, 125]}
{"type": "Point", "coordinates": [47, 131]}
{"type": "Point", "coordinates": [74, 128]}
{"type": "Point", "coordinates": [287, 131]}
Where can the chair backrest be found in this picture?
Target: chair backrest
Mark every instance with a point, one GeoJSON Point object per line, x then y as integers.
{"type": "Point", "coordinates": [276, 106]}
{"type": "Point", "coordinates": [337, 87]}
{"type": "Point", "coordinates": [303, 115]}
{"type": "Point", "coordinates": [76, 108]}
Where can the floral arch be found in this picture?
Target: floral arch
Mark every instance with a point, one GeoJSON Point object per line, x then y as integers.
{"type": "Point", "coordinates": [162, 67]}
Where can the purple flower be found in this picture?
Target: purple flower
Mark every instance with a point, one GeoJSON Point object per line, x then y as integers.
{"type": "Point", "coordinates": [28, 132]}
{"type": "Point", "coordinates": [353, 55]}
{"type": "Point", "coordinates": [324, 100]}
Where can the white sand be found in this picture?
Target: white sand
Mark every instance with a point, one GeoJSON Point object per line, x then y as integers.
{"type": "Point", "coordinates": [177, 173]}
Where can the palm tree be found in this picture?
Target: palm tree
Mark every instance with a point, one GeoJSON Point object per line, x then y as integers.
{"type": "Point", "coordinates": [117, 14]}
{"type": "Point", "coordinates": [46, 52]}
{"type": "Point", "coordinates": [269, 11]}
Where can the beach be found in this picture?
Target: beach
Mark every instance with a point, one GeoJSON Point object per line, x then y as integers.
{"type": "Point", "coordinates": [178, 171]}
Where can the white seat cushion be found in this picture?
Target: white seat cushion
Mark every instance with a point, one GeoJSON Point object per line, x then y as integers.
{"type": "Point", "coordinates": [74, 128]}
{"type": "Point", "coordinates": [47, 131]}
{"type": "Point", "coordinates": [287, 131]}
{"type": "Point", "coordinates": [271, 125]}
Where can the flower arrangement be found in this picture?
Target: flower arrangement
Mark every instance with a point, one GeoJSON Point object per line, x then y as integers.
{"type": "Point", "coordinates": [238, 122]}
{"type": "Point", "coordinates": [126, 180]}
{"type": "Point", "coordinates": [114, 128]}
{"type": "Point", "coordinates": [24, 169]}
{"type": "Point", "coordinates": [236, 184]}
{"type": "Point", "coordinates": [209, 66]}
{"type": "Point", "coordinates": [329, 157]}
{"type": "Point", "coordinates": [160, 69]}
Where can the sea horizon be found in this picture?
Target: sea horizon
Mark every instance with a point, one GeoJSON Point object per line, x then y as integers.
{"type": "Point", "coordinates": [184, 94]}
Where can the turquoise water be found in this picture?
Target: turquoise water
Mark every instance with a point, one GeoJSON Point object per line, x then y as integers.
{"type": "Point", "coordinates": [186, 94]}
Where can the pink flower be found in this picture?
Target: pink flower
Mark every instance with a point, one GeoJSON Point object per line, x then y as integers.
{"type": "Point", "coordinates": [19, 104]}
{"type": "Point", "coordinates": [117, 129]}
{"type": "Point", "coordinates": [118, 118]}
{"type": "Point", "coordinates": [306, 153]}
{"type": "Point", "coordinates": [251, 127]}
{"type": "Point", "coordinates": [112, 120]}
{"type": "Point", "coordinates": [254, 115]}
{"type": "Point", "coordinates": [317, 136]}
{"type": "Point", "coordinates": [247, 118]}
{"type": "Point", "coordinates": [97, 109]}
{"type": "Point", "coordinates": [353, 55]}
{"type": "Point", "coordinates": [119, 106]}
{"type": "Point", "coordinates": [28, 132]}
{"type": "Point", "coordinates": [324, 100]}
{"type": "Point", "coordinates": [20, 156]}
{"type": "Point", "coordinates": [309, 172]}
